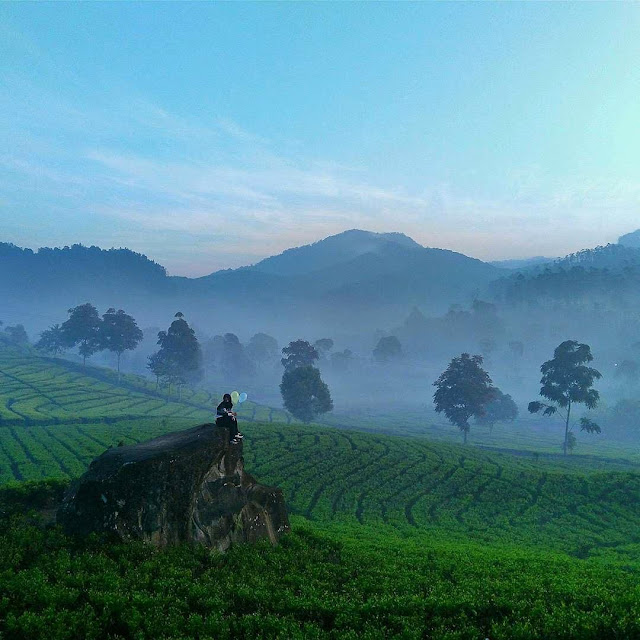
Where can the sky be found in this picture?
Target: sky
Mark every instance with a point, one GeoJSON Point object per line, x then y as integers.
{"type": "Point", "coordinates": [211, 135]}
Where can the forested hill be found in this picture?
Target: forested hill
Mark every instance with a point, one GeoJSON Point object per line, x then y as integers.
{"type": "Point", "coordinates": [76, 267]}
{"type": "Point", "coordinates": [68, 260]}
{"type": "Point", "coordinates": [604, 275]}
{"type": "Point", "coordinates": [352, 281]}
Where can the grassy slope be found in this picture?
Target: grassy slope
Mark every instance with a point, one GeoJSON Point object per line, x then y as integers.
{"type": "Point", "coordinates": [582, 505]}
{"type": "Point", "coordinates": [392, 535]}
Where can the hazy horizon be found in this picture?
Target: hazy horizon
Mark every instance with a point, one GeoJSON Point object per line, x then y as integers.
{"type": "Point", "coordinates": [197, 274]}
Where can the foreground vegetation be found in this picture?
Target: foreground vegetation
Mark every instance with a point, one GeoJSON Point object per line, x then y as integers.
{"type": "Point", "coordinates": [339, 581]}
{"type": "Point", "coordinates": [392, 536]}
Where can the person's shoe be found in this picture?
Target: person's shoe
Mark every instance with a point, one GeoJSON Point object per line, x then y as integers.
{"type": "Point", "coordinates": [234, 441]}
{"type": "Point", "coordinates": [239, 436]}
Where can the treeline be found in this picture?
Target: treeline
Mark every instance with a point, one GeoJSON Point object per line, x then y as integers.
{"type": "Point", "coordinates": [180, 359]}
{"type": "Point", "coordinates": [115, 331]}
{"type": "Point", "coordinates": [70, 260]}
{"type": "Point", "coordinates": [228, 355]}
{"type": "Point", "coordinates": [610, 273]}
{"type": "Point", "coordinates": [465, 390]}
{"type": "Point", "coordinates": [177, 362]}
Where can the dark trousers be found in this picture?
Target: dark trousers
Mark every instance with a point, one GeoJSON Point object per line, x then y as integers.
{"type": "Point", "coordinates": [230, 423]}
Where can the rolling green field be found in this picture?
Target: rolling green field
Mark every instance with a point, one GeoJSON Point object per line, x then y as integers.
{"type": "Point", "coordinates": [36, 390]}
{"type": "Point", "coordinates": [392, 536]}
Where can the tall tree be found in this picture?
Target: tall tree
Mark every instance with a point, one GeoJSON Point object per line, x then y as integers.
{"type": "Point", "coordinates": [212, 350]}
{"type": "Point", "coordinates": [157, 365]}
{"type": "Point", "coordinates": [17, 334]}
{"type": "Point", "coordinates": [463, 391]}
{"type": "Point", "coordinates": [262, 348]}
{"type": "Point", "coordinates": [304, 394]}
{"type": "Point", "coordinates": [387, 349]}
{"type": "Point", "coordinates": [119, 333]}
{"type": "Point", "coordinates": [180, 354]}
{"type": "Point", "coordinates": [298, 354]}
{"type": "Point", "coordinates": [82, 329]}
{"type": "Point", "coordinates": [234, 360]}
{"type": "Point", "coordinates": [566, 380]}
{"type": "Point", "coordinates": [502, 408]}
{"type": "Point", "coordinates": [51, 340]}
{"type": "Point", "coordinates": [341, 360]}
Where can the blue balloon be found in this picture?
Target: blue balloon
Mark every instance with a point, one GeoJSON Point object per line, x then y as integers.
{"type": "Point", "coordinates": [243, 397]}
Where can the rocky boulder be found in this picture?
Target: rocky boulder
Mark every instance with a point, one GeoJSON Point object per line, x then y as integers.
{"type": "Point", "coordinates": [187, 486]}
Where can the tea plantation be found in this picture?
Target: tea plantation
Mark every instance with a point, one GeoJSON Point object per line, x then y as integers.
{"type": "Point", "coordinates": [392, 536]}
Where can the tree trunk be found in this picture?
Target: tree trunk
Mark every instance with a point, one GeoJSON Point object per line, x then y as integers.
{"type": "Point", "coordinates": [157, 383]}
{"type": "Point", "coordinates": [566, 429]}
{"type": "Point", "coordinates": [465, 431]}
{"type": "Point", "coordinates": [118, 367]}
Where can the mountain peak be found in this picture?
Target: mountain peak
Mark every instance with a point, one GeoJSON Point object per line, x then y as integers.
{"type": "Point", "coordinates": [331, 251]}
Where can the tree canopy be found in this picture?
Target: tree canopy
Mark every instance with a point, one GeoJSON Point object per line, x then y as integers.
{"type": "Point", "coordinates": [262, 348]}
{"type": "Point", "coordinates": [387, 349]}
{"type": "Point", "coordinates": [233, 359]}
{"type": "Point", "coordinates": [298, 354]}
{"type": "Point", "coordinates": [119, 333]}
{"type": "Point", "coordinates": [304, 394]}
{"type": "Point", "coordinates": [501, 408]}
{"type": "Point", "coordinates": [179, 359]}
{"type": "Point", "coordinates": [463, 391]}
{"type": "Point", "coordinates": [51, 340]}
{"type": "Point", "coordinates": [566, 380]}
{"type": "Point", "coordinates": [82, 329]}
{"type": "Point", "coordinates": [323, 346]}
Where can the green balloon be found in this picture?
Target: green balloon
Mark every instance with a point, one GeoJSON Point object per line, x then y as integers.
{"type": "Point", "coordinates": [235, 396]}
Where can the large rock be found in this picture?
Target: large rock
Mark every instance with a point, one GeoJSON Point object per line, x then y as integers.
{"type": "Point", "coordinates": [188, 486]}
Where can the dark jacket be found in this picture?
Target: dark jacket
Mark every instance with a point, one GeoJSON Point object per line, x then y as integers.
{"type": "Point", "coordinates": [224, 408]}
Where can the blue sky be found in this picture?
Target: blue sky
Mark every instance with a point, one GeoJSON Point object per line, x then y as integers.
{"type": "Point", "coordinates": [210, 135]}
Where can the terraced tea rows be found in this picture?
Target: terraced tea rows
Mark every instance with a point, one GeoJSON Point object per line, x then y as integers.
{"type": "Point", "coordinates": [420, 485]}
{"type": "Point", "coordinates": [34, 390]}
{"type": "Point", "coordinates": [410, 484]}
{"type": "Point", "coordinates": [65, 450]}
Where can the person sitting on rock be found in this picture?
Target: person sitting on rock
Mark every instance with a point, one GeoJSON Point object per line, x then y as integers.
{"type": "Point", "coordinates": [228, 418]}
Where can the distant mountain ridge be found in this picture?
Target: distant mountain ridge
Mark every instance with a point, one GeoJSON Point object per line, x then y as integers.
{"type": "Point", "coordinates": [48, 261]}
{"type": "Point", "coordinates": [607, 275]}
{"type": "Point", "coordinates": [355, 279]}
{"type": "Point", "coordinates": [610, 256]}
{"type": "Point", "coordinates": [522, 263]}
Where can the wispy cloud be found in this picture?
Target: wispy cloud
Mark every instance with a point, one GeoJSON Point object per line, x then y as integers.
{"type": "Point", "coordinates": [200, 196]}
